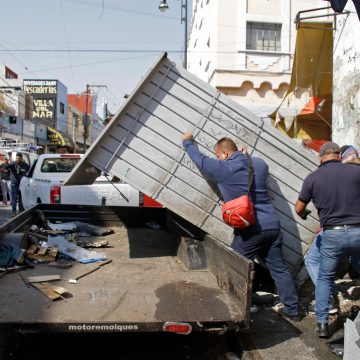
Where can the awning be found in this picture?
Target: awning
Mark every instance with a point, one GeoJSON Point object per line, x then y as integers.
{"type": "Point", "coordinates": [57, 138]}
{"type": "Point", "coordinates": [339, 5]}
{"type": "Point", "coordinates": [310, 91]}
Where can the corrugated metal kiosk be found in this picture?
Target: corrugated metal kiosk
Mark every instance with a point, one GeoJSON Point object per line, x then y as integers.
{"type": "Point", "coordinates": [142, 145]}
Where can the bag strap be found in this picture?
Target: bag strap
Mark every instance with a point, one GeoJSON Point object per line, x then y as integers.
{"type": "Point", "coordinates": [251, 172]}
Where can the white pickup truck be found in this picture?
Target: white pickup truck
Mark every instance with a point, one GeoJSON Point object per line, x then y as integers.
{"type": "Point", "coordinates": [43, 185]}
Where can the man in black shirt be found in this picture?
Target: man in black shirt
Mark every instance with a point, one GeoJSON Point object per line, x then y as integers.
{"type": "Point", "coordinates": [334, 189]}
{"type": "Point", "coordinates": [17, 170]}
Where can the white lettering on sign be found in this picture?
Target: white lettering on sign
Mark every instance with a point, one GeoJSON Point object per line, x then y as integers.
{"type": "Point", "coordinates": [40, 82]}
{"type": "Point", "coordinates": [40, 89]}
{"type": "Point", "coordinates": [43, 108]}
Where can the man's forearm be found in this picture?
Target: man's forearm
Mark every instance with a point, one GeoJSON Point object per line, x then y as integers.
{"type": "Point", "coordinates": [301, 210]}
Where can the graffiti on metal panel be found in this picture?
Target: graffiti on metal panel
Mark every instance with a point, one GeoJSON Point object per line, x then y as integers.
{"type": "Point", "coordinates": [204, 140]}
{"type": "Point", "coordinates": [229, 124]}
{"type": "Point", "coordinates": [186, 161]}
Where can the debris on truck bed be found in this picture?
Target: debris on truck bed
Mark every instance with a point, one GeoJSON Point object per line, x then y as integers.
{"type": "Point", "coordinates": [43, 278]}
{"type": "Point", "coordinates": [92, 229]}
{"type": "Point", "coordinates": [53, 292]}
{"type": "Point", "coordinates": [73, 251]}
{"type": "Point", "coordinates": [42, 253]}
{"type": "Point", "coordinates": [88, 270]}
{"type": "Point", "coordinates": [68, 226]}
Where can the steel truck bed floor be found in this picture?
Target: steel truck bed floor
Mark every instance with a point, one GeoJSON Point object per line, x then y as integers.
{"type": "Point", "coordinates": [145, 284]}
{"type": "Point", "coordinates": [124, 289]}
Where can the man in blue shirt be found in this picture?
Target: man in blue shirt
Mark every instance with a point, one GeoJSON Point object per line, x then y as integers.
{"type": "Point", "coordinates": [230, 173]}
{"type": "Point", "coordinates": [334, 188]}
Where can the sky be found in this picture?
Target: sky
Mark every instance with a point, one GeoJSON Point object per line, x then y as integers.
{"type": "Point", "coordinates": [125, 38]}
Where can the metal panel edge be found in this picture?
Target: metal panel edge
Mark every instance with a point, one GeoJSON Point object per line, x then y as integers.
{"type": "Point", "coordinates": [82, 174]}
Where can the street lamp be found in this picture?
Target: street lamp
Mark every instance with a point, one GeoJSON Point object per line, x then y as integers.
{"type": "Point", "coordinates": [163, 7]}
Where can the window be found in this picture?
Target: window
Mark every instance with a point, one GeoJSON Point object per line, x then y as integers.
{"type": "Point", "coordinates": [62, 108]}
{"type": "Point", "coordinates": [263, 36]}
{"type": "Point", "coordinates": [59, 164]}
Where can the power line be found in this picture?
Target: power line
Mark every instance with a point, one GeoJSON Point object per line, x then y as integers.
{"type": "Point", "coordinates": [124, 51]}
{"type": "Point", "coordinates": [94, 63]}
{"type": "Point", "coordinates": [67, 39]}
{"type": "Point", "coordinates": [94, 50]}
{"type": "Point", "coordinates": [116, 8]}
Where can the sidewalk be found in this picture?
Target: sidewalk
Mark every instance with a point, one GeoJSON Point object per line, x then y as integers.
{"type": "Point", "coordinates": [272, 337]}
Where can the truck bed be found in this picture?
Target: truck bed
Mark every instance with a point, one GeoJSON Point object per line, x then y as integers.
{"type": "Point", "coordinates": [143, 287]}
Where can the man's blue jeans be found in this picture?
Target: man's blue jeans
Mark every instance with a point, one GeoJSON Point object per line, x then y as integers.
{"type": "Point", "coordinates": [335, 244]}
{"type": "Point", "coordinates": [267, 245]}
{"type": "Point", "coordinates": [16, 197]}
{"type": "Point", "coordinates": [312, 262]}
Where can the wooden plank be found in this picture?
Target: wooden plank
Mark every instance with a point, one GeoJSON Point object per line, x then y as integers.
{"type": "Point", "coordinates": [42, 250]}
{"type": "Point", "coordinates": [31, 249]}
{"type": "Point", "coordinates": [43, 278]}
{"type": "Point", "coordinates": [52, 295]}
{"type": "Point", "coordinates": [88, 270]}
{"type": "Point", "coordinates": [58, 289]}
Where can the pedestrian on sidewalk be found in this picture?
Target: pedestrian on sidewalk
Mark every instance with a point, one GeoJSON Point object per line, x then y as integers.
{"type": "Point", "coordinates": [17, 170]}
{"type": "Point", "coordinates": [230, 172]}
{"type": "Point", "coordinates": [334, 189]}
{"type": "Point", "coordinates": [5, 182]}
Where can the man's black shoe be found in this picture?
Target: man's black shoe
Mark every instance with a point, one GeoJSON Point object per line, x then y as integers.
{"type": "Point", "coordinates": [322, 330]}
{"type": "Point", "coordinates": [295, 318]}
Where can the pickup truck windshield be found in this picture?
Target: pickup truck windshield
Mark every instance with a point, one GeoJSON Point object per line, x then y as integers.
{"type": "Point", "coordinates": [54, 165]}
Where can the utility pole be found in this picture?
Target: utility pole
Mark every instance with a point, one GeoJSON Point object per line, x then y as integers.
{"type": "Point", "coordinates": [86, 120]}
{"type": "Point", "coordinates": [163, 7]}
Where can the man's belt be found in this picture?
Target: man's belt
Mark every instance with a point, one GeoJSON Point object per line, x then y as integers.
{"type": "Point", "coordinates": [341, 227]}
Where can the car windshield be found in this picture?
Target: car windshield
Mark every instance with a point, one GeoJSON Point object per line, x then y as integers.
{"type": "Point", "coordinates": [54, 165]}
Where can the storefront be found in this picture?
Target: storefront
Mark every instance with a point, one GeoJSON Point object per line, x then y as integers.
{"type": "Point", "coordinates": [57, 142]}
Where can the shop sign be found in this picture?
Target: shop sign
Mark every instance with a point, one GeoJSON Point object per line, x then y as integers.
{"type": "Point", "coordinates": [55, 137]}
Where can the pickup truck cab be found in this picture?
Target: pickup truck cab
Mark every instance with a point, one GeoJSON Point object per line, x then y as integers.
{"type": "Point", "coordinates": [43, 185]}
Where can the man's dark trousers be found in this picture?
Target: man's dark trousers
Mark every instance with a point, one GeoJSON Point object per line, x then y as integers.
{"type": "Point", "coordinates": [15, 197]}
{"type": "Point", "coordinates": [267, 245]}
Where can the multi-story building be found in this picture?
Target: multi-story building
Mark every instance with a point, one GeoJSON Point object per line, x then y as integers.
{"type": "Point", "coordinates": [346, 82]}
{"type": "Point", "coordinates": [245, 48]}
{"type": "Point", "coordinates": [49, 113]}
{"type": "Point", "coordinates": [49, 102]}
{"type": "Point", "coordinates": [83, 121]}
{"type": "Point", "coordinates": [15, 109]}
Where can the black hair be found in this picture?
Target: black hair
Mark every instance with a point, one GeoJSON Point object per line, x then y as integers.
{"type": "Point", "coordinates": [227, 144]}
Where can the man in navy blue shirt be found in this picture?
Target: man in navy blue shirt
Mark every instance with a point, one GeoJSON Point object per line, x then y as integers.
{"type": "Point", "coordinates": [334, 188]}
{"type": "Point", "coordinates": [230, 173]}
